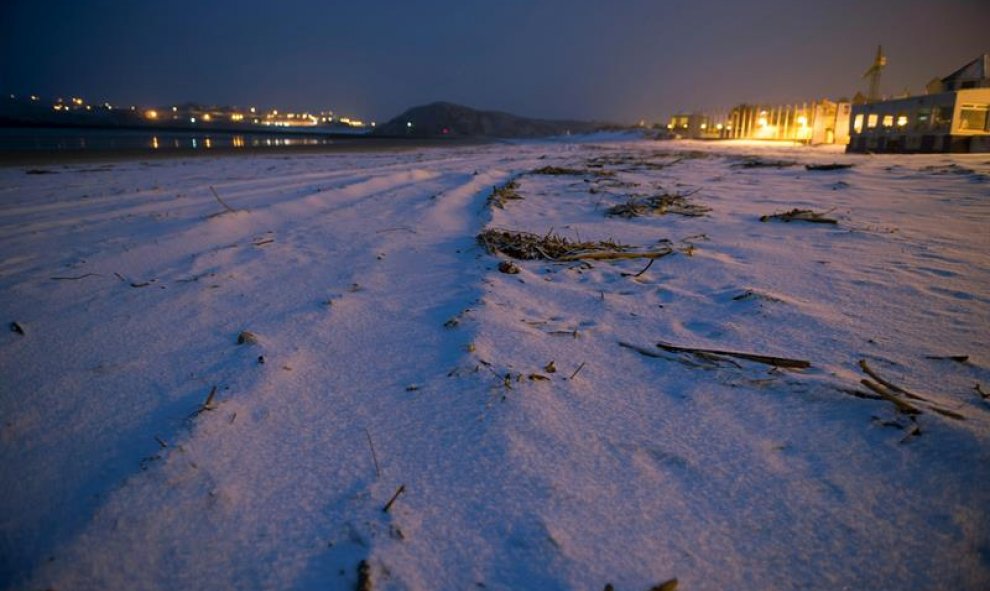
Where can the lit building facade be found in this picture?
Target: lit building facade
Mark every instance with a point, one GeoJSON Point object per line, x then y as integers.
{"type": "Point", "coordinates": [953, 117]}
{"type": "Point", "coordinates": [819, 122]}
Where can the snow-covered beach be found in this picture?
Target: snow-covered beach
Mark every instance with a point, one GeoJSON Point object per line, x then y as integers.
{"type": "Point", "coordinates": [536, 435]}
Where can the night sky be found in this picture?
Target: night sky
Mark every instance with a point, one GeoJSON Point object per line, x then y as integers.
{"type": "Point", "coordinates": [619, 60]}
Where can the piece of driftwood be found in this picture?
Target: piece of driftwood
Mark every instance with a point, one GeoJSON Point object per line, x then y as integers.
{"type": "Point", "coordinates": [800, 215]}
{"type": "Point", "coordinates": [764, 163]}
{"type": "Point", "coordinates": [74, 277]}
{"type": "Point", "coordinates": [783, 362]}
{"type": "Point", "coordinates": [869, 371]}
{"type": "Point", "coordinates": [902, 406]}
{"type": "Point", "coordinates": [983, 393]}
{"type": "Point", "coordinates": [832, 166]}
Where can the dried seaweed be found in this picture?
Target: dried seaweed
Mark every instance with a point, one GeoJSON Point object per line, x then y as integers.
{"type": "Point", "coordinates": [801, 215]}
{"type": "Point", "coordinates": [753, 162]}
{"type": "Point", "coordinates": [677, 203]}
{"type": "Point", "coordinates": [554, 247]}
{"type": "Point", "coordinates": [501, 194]}
{"type": "Point", "coordinates": [832, 166]}
{"type": "Point", "coordinates": [563, 171]}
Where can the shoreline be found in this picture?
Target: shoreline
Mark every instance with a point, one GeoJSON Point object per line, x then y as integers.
{"type": "Point", "coordinates": [15, 158]}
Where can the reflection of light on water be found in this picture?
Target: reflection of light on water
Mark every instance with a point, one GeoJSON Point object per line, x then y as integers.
{"type": "Point", "coordinates": [238, 141]}
{"type": "Point", "coordinates": [208, 143]}
{"type": "Point", "coordinates": [154, 142]}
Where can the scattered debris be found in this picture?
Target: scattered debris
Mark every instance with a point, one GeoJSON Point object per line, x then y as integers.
{"type": "Point", "coordinates": [536, 377]}
{"type": "Point", "coordinates": [15, 327]}
{"type": "Point", "coordinates": [677, 203]}
{"type": "Point", "coordinates": [508, 267]}
{"type": "Point", "coordinates": [832, 166]}
{"type": "Point", "coordinates": [983, 393]}
{"type": "Point", "coordinates": [803, 215]}
{"type": "Point", "coordinates": [783, 362]}
{"type": "Point", "coordinates": [501, 194]}
{"type": "Point", "coordinates": [40, 171]}
{"type": "Point", "coordinates": [550, 367]}
{"type": "Point", "coordinates": [247, 337]}
{"type": "Point", "coordinates": [398, 492]}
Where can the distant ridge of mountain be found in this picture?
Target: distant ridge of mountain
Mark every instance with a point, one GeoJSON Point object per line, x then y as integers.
{"type": "Point", "coordinates": [443, 119]}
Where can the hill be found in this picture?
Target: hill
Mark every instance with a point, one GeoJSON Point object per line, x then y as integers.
{"type": "Point", "coordinates": [442, 119]}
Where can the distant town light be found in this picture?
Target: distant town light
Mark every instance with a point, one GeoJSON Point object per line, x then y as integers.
{"type": "Point", "coordinates": [252, 109]}
{"type": "Point", "coordinates": [408, 123]}
{"type": "Point", "coordinates": [151, 114]}
{"type": "Point", "coordinates": [719, 127]}
{"type": "Point", "coordinates": [192, 120]}
{"type": "Point", "coordinates": [34, 97]}
{"type": "Point", "coordinates": [704, 126]}
{"type": "Point", "coordinates": [803, 121]}
{"type": "Point", "coordinates": [206, 117]}
{"type": "Point", "coordinates": [174, 109]}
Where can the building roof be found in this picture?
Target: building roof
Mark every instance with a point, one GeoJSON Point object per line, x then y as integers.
{"type": "Point", "coordinates": [977, 70]}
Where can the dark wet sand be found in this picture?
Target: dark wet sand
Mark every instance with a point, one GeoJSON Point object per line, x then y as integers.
{"type": "Point", "coordinates": [58, 157]}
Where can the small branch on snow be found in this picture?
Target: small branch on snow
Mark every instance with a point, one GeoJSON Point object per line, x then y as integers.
{"type": "Point", "coordinates": [398, 492]}
{"type": "Point", "coordinates": [374, 456]}
{"type": "Point", "coordinates": [221, 201]}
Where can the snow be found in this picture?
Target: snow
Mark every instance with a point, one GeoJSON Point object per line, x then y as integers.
{"type": "Point", "coordinates": [380, 318]}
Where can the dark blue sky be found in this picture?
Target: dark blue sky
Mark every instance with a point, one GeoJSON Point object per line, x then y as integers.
{"type": "Point", "coordinates": [620, 60]}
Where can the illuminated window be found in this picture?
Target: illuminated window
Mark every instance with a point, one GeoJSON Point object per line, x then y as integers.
{"type": "Point", "coordinates": [974, 117]}
{"type": "Point", "coordinates": [888, 120]}
{"type": "Point", "coordinates": [923, 120]}
{"type": "Point", "coordinates": [871, 121]}
{"type": "Point", "coordinates": [858, 123]}
{"type": "Point", "coordinates": [902, 120]}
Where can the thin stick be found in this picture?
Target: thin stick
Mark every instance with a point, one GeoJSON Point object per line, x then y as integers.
{"type": "Point", "coordinates": [579, 368]}
{"type": "Point", "coordinates": [374, 456]}
{"type": "Point", "coordinates": [765, 359]}
{"type": "Point", "coordinates": [227, 207]}
{"type": "Point", "coordinates": [75, 278]}
{"type": "Point", "coordinates": [398, 492]}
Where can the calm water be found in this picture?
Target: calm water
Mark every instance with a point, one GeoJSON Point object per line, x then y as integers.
{"type": "Point", "coordinates": [29, 139]}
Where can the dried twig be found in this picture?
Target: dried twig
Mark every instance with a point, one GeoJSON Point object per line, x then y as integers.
{"type": "Point", "coordinates": [398, 492]}
{"type": "Point", "coordinates": [576, 371]}
{"type": "Point", "coordinates": [221, 201]}
{"type": "Point", "coordinates": [645, 269]}
{"type": "Point", "coordinates": [956, 358]}
{"type": "Point", "coordinates": [207, 404]}
{"type": "Point", "coordinates": [374, 456]}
